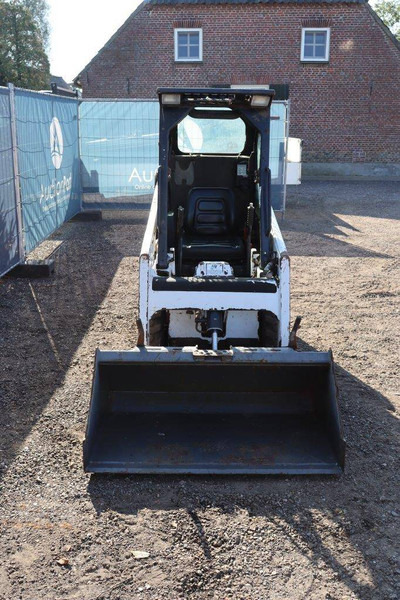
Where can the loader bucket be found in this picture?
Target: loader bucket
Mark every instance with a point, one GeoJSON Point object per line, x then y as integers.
{"type": "Point", "coordinates": [183, 410]}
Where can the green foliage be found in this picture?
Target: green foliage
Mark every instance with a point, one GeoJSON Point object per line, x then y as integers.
{"type": "Point", "coordinates": [39, 10]}
{"type": "Point", "coordinates": [389, 12]}
{"type": "Point", "coordinates": [23, 59]}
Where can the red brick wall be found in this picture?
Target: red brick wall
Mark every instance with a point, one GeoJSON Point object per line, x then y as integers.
{"type": "Point", "coordinates": [345, 110]}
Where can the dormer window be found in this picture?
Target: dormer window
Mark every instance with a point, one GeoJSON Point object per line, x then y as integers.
{"type": "Point", "coordinates": [188, 45]}
{"type": "Point", "coordinates": [315, 44]}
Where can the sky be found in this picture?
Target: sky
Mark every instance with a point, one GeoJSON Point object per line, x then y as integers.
{"type": "Point", "coordinates": [80, 28]}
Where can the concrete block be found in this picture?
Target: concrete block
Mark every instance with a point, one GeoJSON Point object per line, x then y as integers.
{"type": "Point", "coordinates": [34, 269]}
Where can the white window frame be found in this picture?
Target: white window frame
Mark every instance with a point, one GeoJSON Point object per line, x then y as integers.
{"type": "Point", "coordinates": [305, 30]}
{"type": "Point", "coordinates": [188, 30]}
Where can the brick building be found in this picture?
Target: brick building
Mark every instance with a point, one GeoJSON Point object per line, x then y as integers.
{"type": "Point", "coordinates": [335, 60]}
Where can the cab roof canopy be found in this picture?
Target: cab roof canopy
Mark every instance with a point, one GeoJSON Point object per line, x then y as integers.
{"type": "Point", "coordinates": [235, 98]}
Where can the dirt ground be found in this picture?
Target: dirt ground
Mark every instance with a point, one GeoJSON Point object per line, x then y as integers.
{"type": "Point", "coordinates": [66, 535]}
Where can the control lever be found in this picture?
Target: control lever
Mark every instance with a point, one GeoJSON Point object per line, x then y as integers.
{"type": "Point", "coordinates": [249, 230]}
{"type": "Point", "coordinates": [179, 235]}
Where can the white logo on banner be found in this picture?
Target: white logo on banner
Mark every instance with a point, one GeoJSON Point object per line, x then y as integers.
{"type": "Point", "coordinates": [143, 181]}
{"type": "Point", "coordinates": [56, 143]}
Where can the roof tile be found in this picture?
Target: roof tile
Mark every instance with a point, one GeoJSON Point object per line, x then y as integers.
{"type": "Point", "coordinates": [257, 1]}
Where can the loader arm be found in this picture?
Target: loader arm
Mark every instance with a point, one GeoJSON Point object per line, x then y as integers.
{"type": "Point", "coordinates": [146, 258]}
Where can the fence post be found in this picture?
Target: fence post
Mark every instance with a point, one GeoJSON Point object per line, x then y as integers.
{"type": "Point", "coordinates": [79, 153]}
{"type": "Point", "coordinates": [17, 188]}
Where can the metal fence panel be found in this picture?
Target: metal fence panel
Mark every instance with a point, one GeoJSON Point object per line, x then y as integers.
{"type": "Point", "coordinates": [119, 152]}
{"type": "Point", "coordinates": [113, 146]}
{"type": "Point", "coordinates": [9, 242]}
{"type": "Point", "coordinates": [48, 156]}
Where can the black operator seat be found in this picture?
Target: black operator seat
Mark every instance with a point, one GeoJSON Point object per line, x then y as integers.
{"type": "Point", "coordinates": [210, 231]}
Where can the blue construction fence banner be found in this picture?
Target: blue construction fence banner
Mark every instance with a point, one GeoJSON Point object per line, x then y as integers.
{"type": "Point", "coordinates": [119, 152]}
{"type": "Point", "coordinates": [48, 157]}
{"type": "Point", "coordinates": [9, 247]}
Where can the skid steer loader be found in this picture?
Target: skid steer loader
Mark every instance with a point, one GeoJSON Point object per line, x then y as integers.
{"type": "Point", "coordinates": [214, 384]}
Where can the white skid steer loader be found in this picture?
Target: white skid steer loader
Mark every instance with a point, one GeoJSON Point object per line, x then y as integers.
{"type": "Point", "coordinates": [215, 384]}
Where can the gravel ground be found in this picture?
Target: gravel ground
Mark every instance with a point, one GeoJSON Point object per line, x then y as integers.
{"type": "Point", "coordinates": [66, 535]}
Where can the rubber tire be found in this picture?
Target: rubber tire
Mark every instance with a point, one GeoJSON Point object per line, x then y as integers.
{"type": "Point", "coordinates": [268, 329]}
{"type": "Point", "coordinates": [159, 329]}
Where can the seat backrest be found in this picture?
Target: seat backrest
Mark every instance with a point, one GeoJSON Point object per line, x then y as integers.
{"type": "Point", "coordinates": [210, 211]}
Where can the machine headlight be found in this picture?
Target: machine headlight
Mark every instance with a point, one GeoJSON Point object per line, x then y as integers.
{"type": "Point", "coordinates": [171, 99]}
{"type": "Point", "coordinates": [260, 101]}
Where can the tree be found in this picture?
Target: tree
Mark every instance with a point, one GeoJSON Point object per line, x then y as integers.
{"type": "Point", "coordinates": [389, 12]}
{"type": "Point", "coordinates": [39, 10]}
{"type": "Point", "coordinates": [23, 59]}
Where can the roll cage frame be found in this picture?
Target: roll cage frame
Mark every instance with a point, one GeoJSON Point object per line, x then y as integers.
{"type": "Point", "coordinates": [254, 115]}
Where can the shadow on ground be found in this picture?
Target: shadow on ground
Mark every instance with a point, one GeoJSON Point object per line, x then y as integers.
{"type": "Point", "coordinates": [326, 233]}
{"type": "Point", "coordinates": [43, 322]}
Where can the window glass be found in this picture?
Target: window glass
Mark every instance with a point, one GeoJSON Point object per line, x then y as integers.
{"type": "Point", "coordinates": [211, 136]}
{"type": "Point", "coordinates": [308, 51]}
{"type": "Point", "coordinates": [315, 44]}
{"type": "Point", "coordinates": [320, 38]}
{"type": "Point", "coordinates": [194, 38]}
{"type": "Point", "coordinates": [194, 51]}
{"type": "Point", "coordinates": [188, 44]}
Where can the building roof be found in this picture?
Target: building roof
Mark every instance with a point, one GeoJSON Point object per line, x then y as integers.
{"type": "Point", "coordinates": [175, 2]}
{"type": "Point", "coordinates": [256, 1]}
{"type": "Point", "coordinates": [60, 81]}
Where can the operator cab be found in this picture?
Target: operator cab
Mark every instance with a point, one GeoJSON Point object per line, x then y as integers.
{"type": "Point", "coordinates": [212, 186]}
